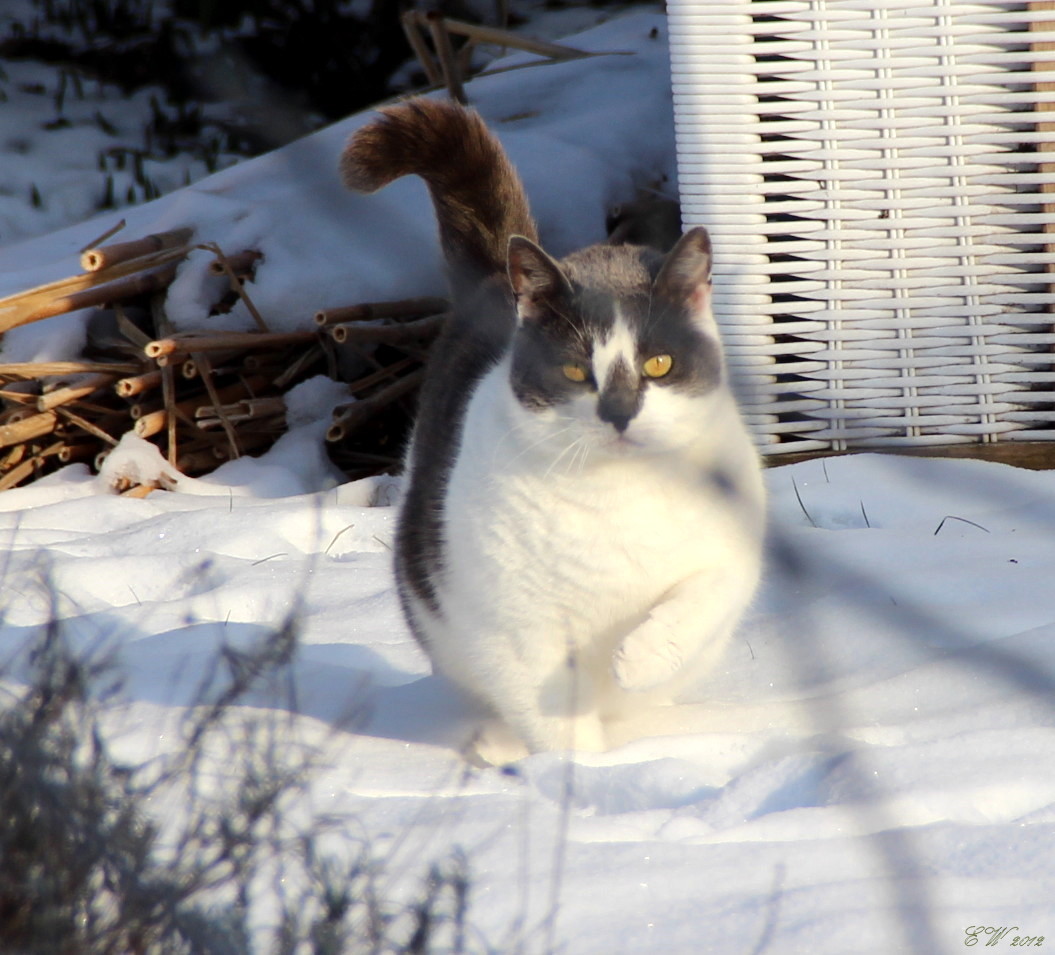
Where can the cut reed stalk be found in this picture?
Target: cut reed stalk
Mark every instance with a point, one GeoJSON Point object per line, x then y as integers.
{"type": "Point", "coordinates": [18, 397]}
{"type": "Point", "coordinates": [399, 308]}
{"type": "Point", "coordinates": [210, 417]}
{"type": "Point", "coordinates": [246, 407]}
{"type": "Point", "coordinates": [140, 491]}
{"type": "Point", "coordinates": [74, 392]}
{"type": "Point", "coordinates": [423, 329]}
{"type": "Point", "coordinates": [189, 367]}
{"type": "Point", "coordinates": [43, 369]}
{"type": "Point", "coordinates": [28, 428]}
{"type": "Point", "coordinates": [85, 425]}
{"type": "Point", "coordinates": [388, 371]}
{"type": "Point", "coordinates": [28, 467]}
{"type": "Point", "coordinates": [131, 286]}
{"type": "Point", "coordinates": [129, 329]}
{"type": "Point", "coordinates": [151, 422]}
{"type": "Point", "coordinates": [11, 415]}
{"type": "Point", "coordinates": [79, 451]}
{"type": "Point", "coordinates": [245, 341]}
{"type": "Point", "coordinates": [107, 256]}
{"type": "Point", "coordinates": [138, 384]}
{"type": "Point", "coordinates": [298, 367]}
{"type": "Point", "coordinates": [355, 415]}
{"type": "Point", "coordinates": [168, 396]}
{"type": "Point", "coordinates": [196, 462]}
{"type": "Point", "coordinates": [12, 457]}
{"type": "Point", "coordinates": [90, 289]}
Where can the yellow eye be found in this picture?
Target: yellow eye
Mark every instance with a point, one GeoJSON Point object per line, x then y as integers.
{"type": "Point", "coordinates": [657, 366]}
{"type": "Point", "coordinates": [574, 372]}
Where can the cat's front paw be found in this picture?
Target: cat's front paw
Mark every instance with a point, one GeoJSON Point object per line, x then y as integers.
{"type": "Point", "coordinates": [647, 658]}
{"type": "Point", "coordinates": [496, 745]}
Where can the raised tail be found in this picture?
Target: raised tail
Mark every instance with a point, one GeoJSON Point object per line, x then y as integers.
{"type": "Point", "coordinates": [478, 197]}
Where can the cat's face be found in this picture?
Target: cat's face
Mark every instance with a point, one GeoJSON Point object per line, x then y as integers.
{"type": "Point", "coordinates": [609, 360]}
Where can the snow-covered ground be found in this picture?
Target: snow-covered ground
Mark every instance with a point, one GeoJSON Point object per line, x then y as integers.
{"type": "Point", "coordinates": [870, 770]}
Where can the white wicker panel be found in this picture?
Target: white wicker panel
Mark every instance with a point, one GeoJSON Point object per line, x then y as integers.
{"type": "Point", "coordinates": [872, 173]}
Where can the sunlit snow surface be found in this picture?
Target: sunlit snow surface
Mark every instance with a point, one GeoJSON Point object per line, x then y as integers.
{"type": "Point", "coordinates": [871, 769]}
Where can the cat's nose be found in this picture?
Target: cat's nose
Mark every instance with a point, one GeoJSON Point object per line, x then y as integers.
{"type": "Point", "coordinates": [620, 399]}
{"type": "Point", "coordinates": [618, 421]}
{"type": "Point", "coordinates": [617, 411]}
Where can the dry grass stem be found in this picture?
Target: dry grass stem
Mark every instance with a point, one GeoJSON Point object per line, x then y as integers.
{"type": "Point", "coordinates": [441, 42]}
{"type": "Point", "coordinates": [241, 263]}
{"type": "Point", "coordinates": [237, 285]}
{"type": "Point", "coordinates": [412, 30]}
{"type": "Point", "coordinates": [86, 426]}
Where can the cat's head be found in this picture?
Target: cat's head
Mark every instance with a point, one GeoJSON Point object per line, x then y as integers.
{"type": "Point", "coordinates": [616, 351]}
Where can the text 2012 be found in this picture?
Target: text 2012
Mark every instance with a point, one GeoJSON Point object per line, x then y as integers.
{"type": "Point", "coordinates": [994, 936]}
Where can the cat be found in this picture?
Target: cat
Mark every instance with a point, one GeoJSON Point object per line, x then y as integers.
{"type": "Point", "coordinates": [582, 526]}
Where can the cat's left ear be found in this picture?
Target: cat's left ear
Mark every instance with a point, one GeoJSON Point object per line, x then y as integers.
{"type": "Point", "coordinates": [685, 278]}
{"type": "Point", "coordinates": [537, 280]}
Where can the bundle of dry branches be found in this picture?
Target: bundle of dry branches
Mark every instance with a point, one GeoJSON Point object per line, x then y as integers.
{"type": "Point", "coordinates": [203, 397]}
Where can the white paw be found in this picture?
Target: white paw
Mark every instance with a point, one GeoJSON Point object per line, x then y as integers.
{"type": "Point", "coordinates": [496, 745]}
{"type": "Point", "coordinates": [647, 658]}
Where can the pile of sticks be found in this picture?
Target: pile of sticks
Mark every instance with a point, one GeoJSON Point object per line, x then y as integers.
{"type": "Point", "coordinates": [203, 397]}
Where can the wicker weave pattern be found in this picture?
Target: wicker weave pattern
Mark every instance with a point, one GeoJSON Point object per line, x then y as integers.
{"type": "Point", "coordinates": [873, 172]}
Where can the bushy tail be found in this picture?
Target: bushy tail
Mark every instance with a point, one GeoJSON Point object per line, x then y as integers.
{"type": "Point", "coordinates": [479, 199]}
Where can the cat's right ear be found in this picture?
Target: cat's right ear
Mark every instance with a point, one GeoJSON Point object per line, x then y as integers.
{"type": "Point", "coordinates": [685, 278]}
{"type": "Point", "coordinates": [537, 281]}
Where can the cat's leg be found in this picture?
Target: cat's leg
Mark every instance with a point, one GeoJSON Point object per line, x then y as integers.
{"type": "Point", "coordinates": [691, 625]}
{"type": "Point", "coordinates": [495, 744]}
{"type": "Point", "coordinates": [546, 699]}
{"type": "Point", "coordinates": [499, 743]}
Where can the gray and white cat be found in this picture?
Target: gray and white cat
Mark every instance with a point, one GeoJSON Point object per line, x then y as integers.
{"type": "Point", "coordinates": [583, 524]}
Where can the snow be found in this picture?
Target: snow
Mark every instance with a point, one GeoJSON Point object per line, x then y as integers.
{"type": "Point", "coordinates": [66, 135]}
{"type": "Point", "coordinates": [870, 768]}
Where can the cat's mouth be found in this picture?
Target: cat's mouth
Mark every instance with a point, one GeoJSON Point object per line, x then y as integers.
{"type": "Point", "coordinates": [622, 443]}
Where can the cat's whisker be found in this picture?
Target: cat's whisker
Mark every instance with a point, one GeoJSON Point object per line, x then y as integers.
{"type": "Point", "coordinates": [548, 436]}
{"type": "Point", "coordinates": [574, 447]}
{"type": "Point", "coordinates": [586, 448]}
{"type": "Point", "coordinates": [515, 429]}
